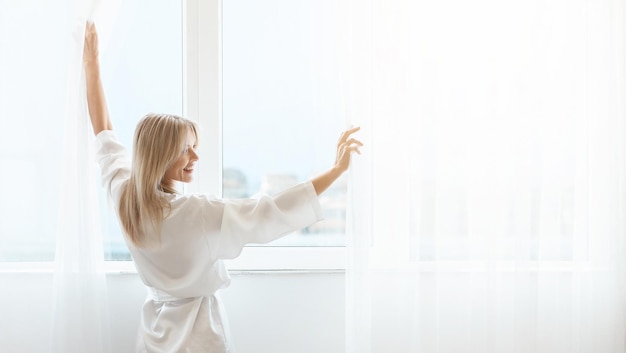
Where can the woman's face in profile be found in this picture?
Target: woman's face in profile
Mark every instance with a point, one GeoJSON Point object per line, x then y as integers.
{"type": "Point", "coordinates": [182, 169]}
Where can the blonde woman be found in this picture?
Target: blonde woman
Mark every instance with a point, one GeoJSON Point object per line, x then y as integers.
{"type": "Point", "coordinates": [178, 241]}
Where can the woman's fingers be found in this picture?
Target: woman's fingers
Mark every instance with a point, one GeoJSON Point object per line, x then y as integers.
{"type": "Point", "coordinates": [353, 141]}
{"type": "Point", "coordinates": [345, 150]}
{"type": "Point", "coordinates": [344, 136]}
{"type": "Point", "coordinates": [349, 149]}
{"type": "Point", "coordinates": [352, 145]}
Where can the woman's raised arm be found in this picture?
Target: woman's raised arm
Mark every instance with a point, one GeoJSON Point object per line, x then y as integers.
{"type": "Point", "coordinates": [98, 111]}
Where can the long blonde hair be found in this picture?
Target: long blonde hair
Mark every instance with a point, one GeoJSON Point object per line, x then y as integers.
{"type": "Point", "coordinates": [159, 141]}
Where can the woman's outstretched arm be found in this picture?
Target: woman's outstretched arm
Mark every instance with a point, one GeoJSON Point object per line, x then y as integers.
{"type": "Point", "coordinates": [345, 147]}
{"type": "Point", "coordinates": [98, 111]}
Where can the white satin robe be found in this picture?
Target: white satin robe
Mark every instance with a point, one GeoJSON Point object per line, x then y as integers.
{"type": "Point", "coordinates": [182, 312]}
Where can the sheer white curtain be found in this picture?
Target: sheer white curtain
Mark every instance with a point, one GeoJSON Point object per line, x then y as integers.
{"type": "Point", "coordinates": [81, 320]}
{"type": "Point", "coordinates": [487, 210]}
{"type": "Point", "coordinates": [48, 168]}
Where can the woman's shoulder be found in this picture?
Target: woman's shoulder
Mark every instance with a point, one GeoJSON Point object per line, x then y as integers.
{"type": "Point", "coordinates": [107, 143]}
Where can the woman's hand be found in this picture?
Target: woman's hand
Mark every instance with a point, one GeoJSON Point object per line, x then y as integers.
{"type": "Point", "coordinates": [345, 147]}
{"type": "Point", "coordinates": [90, 49]}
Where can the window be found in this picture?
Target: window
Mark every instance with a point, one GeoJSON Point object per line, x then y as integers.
{"type": "Point", "coordinates": [167, 57]}
{"type": "Point", "coordinates": [142, 72]}
{"type": "Point", "coordinates": [215, 88]}
{"type": "Point", "coordinates": [282, 112]}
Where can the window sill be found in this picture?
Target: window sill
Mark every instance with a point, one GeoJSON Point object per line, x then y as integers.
{"type": "Point", "coordinates": [253, 259]}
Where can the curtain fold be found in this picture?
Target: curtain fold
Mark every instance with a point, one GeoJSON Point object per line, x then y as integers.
{"type": "Point", "coordinates": [487, 210]}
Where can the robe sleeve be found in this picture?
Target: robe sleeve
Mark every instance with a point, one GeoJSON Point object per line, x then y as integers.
{"type": "Point", "coordinates": [114, 164]}
{"type": "Point", "coordinates": [263, 219]}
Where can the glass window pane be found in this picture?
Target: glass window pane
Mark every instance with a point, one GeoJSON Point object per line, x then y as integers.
{"type": "Point", "coordinates": [142, 73]}
{"type": "Point", "coordinates": [33, 68]}
{"type": "Point", "coordinates": [281, 105]}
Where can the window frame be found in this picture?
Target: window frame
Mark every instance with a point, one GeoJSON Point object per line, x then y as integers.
{"type": "Point", "coordinates": [202, 102]}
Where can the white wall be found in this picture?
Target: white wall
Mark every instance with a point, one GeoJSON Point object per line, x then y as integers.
{"type": "Point", "coordinates": [268, 312]}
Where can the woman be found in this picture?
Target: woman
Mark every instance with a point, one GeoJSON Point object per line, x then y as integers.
{"type": "Point", "coordinates": [178, 241]}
